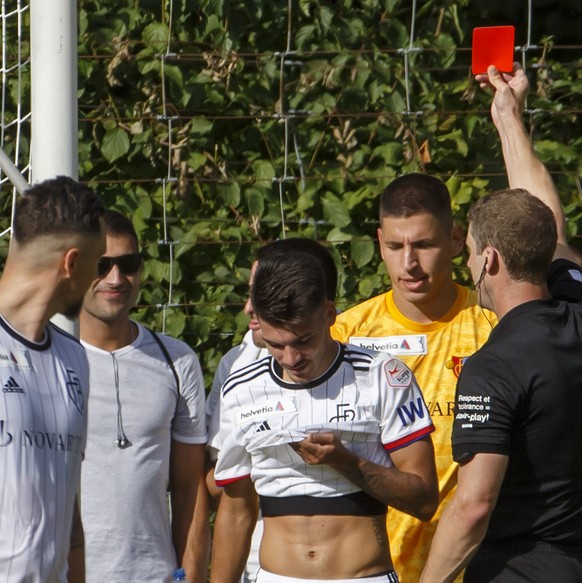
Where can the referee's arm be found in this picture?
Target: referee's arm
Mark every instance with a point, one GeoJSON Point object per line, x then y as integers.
{"type": "Point", "coordinates": [464, 521]}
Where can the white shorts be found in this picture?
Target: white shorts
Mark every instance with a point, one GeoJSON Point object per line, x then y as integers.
{"type": "Point", "coordinates": [266, 577]}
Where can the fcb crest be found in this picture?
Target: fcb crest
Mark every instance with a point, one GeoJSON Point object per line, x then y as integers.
{"type": "Point", "coordinates": [74, 390]}
{"type": "Point", "coordinates": [456, 364]}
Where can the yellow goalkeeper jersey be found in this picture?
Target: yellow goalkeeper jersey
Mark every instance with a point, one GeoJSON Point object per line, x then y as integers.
{"type": "Point", "coordinates": [436, 353]}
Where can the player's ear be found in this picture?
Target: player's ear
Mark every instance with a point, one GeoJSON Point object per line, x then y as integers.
{"type": "Point", "coordinates": [458, 239]}
{"type": "Point", "coordinates": [70, 261]}
{"type": "Point", "coordinates": [380, 242]}
{"type": "Point", "coordinates": [330, 312]}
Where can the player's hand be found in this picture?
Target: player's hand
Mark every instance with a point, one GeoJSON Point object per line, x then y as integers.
{"type": "Point", "coordinates": [320, 448]}
{"type": "Point", "coordinates": [510, 91]}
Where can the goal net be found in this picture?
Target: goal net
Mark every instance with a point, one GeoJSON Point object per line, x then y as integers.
{"type": "Point", "coordinates": [15, 115]}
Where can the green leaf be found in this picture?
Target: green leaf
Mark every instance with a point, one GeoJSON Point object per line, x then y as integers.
{"type": "Point", "coordinates": [175, 322]}
{"type": "Point", "coordinates": [395, 102]}
{"type": "Point", "coordinates": [338, 236]}
{"type": "Point", "coordinates": [213, 24]}
{"type": "Point", "coordinates": [326, 17]}
{"type": "Point", "coordinates": [335, 211]}
{"type": "Point", "coordinates": [362, 251]}
{"type": "Point", "coordinates": [115, 144]}
{"type": "Point", "coordinates": [304, 36]}
{"type": "Point", "coordinates": [200, 327]}
{"type": "Point", "coordinates": [366, 288]}
{"type": "Point", "coordinates": [256, 202]}
{"type": "Point", "coordinates": [158, 270]}
{"type": "Point", "coordinates": [144, 211]}
{"type": "Point", "coordinates": [197, 160]}
{"type": "Point", "coordinates": [200, 126]}
{"type": "Point", "coordinates": [453, 184]}
{"type": "Point", "coordinates": [156, 35]}
{"type": "Point", "coordinates": [229, 193]}
{"type": "Point", "coordinates": [391, 153]}
{"type": "Point", "coordinates": [263, 170]}
{"type": "Point", "coordinates": [174, 74]}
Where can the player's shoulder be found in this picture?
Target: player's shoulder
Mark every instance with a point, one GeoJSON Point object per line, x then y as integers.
{"type": "Point", "coordinates": [378, 368]}
{"type": "Point", "coordinates": [60, 335]}
{"type": "Point", "coordinates": [469, 308]}
{"type": "Point", "coordinates": [565, 280]}
{"type": "Point", "coordinates": [357, 319]}
{"type": "Point", "coordinates": [242, 354]}
{"type": "Point", "coordinates": [246, 374]}
{"type": "Point", "coordinates": [371, 305]}
{"type": "Point", "coordinates": [358, 356]}
{"type": "Point", "coordinates": [366, 360]}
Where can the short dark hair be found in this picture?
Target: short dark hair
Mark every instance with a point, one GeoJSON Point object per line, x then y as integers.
{"type": "Point", "coordinates": [521, 227]}
{"type": "Point", "coordinates": [310, 246]}
{"type": "Point", "coordinates": [415, 193]}
{"type": "Point", "coordinates": [56, 206]}
{"type": "Point", "coordinates": [288, 288]}
{"type": "Point", "coordinates": [116, 223]}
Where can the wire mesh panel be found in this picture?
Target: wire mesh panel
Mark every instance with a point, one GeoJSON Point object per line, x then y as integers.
{"type": "Point", "coordinates": [218, 126]}
{"type": "Point", "coordinates": [15, 99]}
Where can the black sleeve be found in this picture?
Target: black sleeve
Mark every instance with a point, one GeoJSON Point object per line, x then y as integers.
{"type": "Point", "coordinates": [486, 398]}
{"type": "Point", "coordinates": [565, 281]}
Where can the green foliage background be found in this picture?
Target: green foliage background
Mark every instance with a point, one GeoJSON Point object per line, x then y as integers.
{"type": "Point", "coordinates": [195, 92]}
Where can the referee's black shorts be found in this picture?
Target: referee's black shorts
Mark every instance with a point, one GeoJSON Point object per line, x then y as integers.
{"type": "Point", "coordinates": [524, 563]}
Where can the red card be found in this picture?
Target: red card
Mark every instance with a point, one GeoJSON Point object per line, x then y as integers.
{"type": "Point", "coordinates": [493, 45]}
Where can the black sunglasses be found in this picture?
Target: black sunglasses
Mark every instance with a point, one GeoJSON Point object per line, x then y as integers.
{"type": "Point", "coordinates": [127, 264]}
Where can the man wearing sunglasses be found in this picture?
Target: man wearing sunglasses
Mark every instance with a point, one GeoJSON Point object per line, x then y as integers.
{"type": "Point", "coordinates": [146, 432]}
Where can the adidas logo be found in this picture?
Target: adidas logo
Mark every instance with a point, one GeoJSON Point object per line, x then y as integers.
{"type": "Point", "coordinates": [11, 386]}
{"type": "Point", "coordinates": [264, 426]}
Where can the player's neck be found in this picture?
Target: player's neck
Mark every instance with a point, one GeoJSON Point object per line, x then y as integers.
{"type": "Point", "coordinates": [26, 305]}
{"type": "Point", "coordinates": [111, 335]}
{"type": "Point", "coordinates": [432, 309]}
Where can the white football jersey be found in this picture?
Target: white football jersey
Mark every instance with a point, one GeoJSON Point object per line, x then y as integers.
{"type": "Point", "coordinates": [42, 439]}
{"type": "Point", "coordinates": [371, 401]}
{"type": "Point", "coordinates": [236, 358]}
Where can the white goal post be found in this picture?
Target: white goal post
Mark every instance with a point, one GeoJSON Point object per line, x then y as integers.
{"type": "Point", "coordinates": [53, 93]}
{"type": "Point", "coordinates": [53, 37]}
{"type": "Point", "coordinates": [53, 88]}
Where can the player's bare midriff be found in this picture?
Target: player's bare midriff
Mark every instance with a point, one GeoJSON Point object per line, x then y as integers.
{"type": "Point", "coordinates": [320, 547]}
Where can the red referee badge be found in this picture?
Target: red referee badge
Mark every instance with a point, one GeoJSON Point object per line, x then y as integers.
{"type": "Point", "coordinates": [398, 375]}
{"type": "Point", "coordinates": [493, 45]}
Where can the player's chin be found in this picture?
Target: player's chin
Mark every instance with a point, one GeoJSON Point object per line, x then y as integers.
{"type": "Point", "coordinates": [300, 374]}
{"type": "Point", "coordinates": [258, 338]}
{"type": "Point", "coordinates": [418, 296]}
